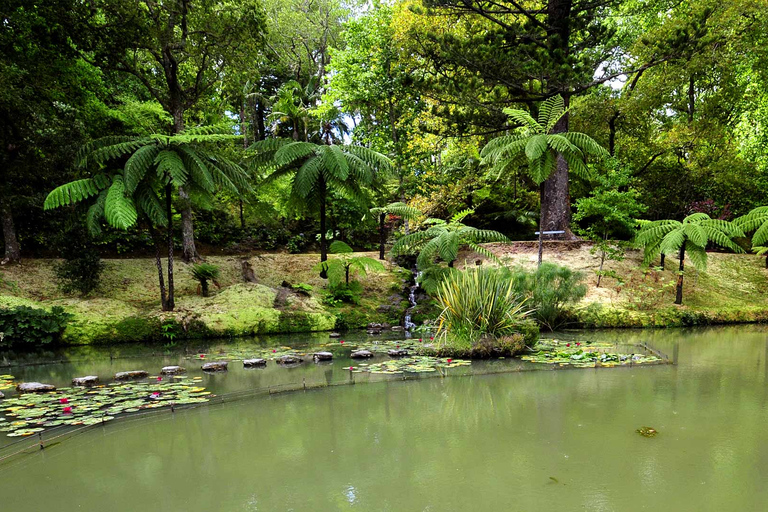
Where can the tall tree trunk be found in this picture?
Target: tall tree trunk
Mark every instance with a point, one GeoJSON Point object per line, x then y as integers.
{"type": "Point", "coordinates": [679, 296]}
{"type": "Point", "coordinates": [159, 264]}
{"type": "Point", "coordinates": [555, 195]}
{"type": "Point", "coordinates": [261, 132]}
{"type": "Point", "coordinates": [189, 251]}
{"type": "Point", "coordinates": [170, 303]}
{"type": "Point", "coordinates": [663, 256]}
{"type": "Point", "coordinates": [12, 249]}
{"type": "Point", "coordinates": [382, 235]}
{"type": "Point", "coordinates": [323, 248]}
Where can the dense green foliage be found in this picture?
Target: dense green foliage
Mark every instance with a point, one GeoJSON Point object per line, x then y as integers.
{"type": "Point", "coordinates": [343, 265]}
{"type": "Point", "coordinates": [478, 303]}
{"type": "Point", "coordinates": [204, 272]}
{"type": "Point", "coordinates": [24, 326]}
{"type": "Point", "coordinates": [549, 291]}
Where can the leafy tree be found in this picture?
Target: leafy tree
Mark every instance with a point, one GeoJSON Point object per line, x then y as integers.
{"type": "Point", "coordinates": [154, 166]}
{"type": "Point", "coordinates": [690, 236]}
{"type": "Point", "coordinates": [402, 210]}
{"type": "Point", "coordinates": [542, 147]}
{"type": "Point", "coordinates": [756, 221]}
{"type": "Point", "coordinates": [179, 51]}
{"type": "Point", "coordinates": [609, 211]}
{"type": "Point", "coordinates": [318, 169]}
{"type": "Point", "coordinates": [443, 239]}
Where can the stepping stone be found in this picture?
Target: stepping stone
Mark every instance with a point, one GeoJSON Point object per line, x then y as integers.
{"type": "Point", "coordinates": [288, 359]}
{"type": "Point", "coordinates": [35, 387]}
{"type": "Point", "coordinates": [397, 327]}
{"type": "Point", "coordinates": [322, 356]}
{"type": "Point", "coordinates": [1, 395]}
{"type": "Point", "coordinates": [254, 363]}
{"type": "Point", "coordinates": [172, 370]}
{"type": "Point", "coordinates": [334, 335]}
{"type": "Point", "coordinates": [89, 380]}
{"type": "Point", "coordinates": [361, 354]}
{"type": "Point", "coordinates": [216, 366]}
{"type": "Point", "coordinates": [133, 374]}
{"type": "Point", "coordinates": [397, 352]}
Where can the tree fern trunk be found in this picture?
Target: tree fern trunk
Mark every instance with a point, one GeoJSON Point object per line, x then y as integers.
{"type": "Point", "coordinates": [382, 235]}
{"type": "Point", "coordinates": [323, 249]}
{"type": "Point", "coordinates": [159, 265]}
{"type": "Point", "coordinates": [679, 297]}
{"type": "Point", "coordinates": [190, 253]}
{"type": "Point", "coordinates": [662, 260]}
{"type": "Point", "coordinates": [170, 303]}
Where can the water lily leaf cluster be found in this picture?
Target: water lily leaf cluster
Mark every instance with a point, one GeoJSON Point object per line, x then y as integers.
{"type": "Point", "coordinates": [6, 382]}
{"type": "Point", "coordinates": [30, 413]}
{"type": "Point", "coordinates": [585, 355]}
{"type": "Point", "coordinates": [239, 354]}
{"type": "Point", "coordinates": [419, 364]}
{"type": "Point", "coordinates": [384, 346]}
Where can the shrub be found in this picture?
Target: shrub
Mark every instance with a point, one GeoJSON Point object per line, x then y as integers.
{"type": "Point", "coordinates": [479, 304]}
{"type": "Point", "coordinates": [31, 327]}
{"type": "Point", "coordinates": [298, 243]}
{"type": "Point", "coordinates": [82, 266]}
{"type": "Point", "coordinates": [204, 272]}
{"type": "Point", "coordinates": [550, 289]}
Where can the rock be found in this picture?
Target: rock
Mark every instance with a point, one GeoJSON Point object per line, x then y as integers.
{"type": "Point", "coordinates": [89, 380]}
{"type": "Point", "coordinates": [386, 325]}
{"type": "Point", "coordinates": [373, 332]}
{"type": "Point", "coordinates": [254, 363]}
{"type": "Point", "coordinates": [361, 354]}
{"type": "Point", "coordinates": [133, 374]}
{"type": "Point", "coordinates": [334, 335]}
{"type": "Point", "coordinates": [374, 325]}
{"type": "Point", "coordinates": [1, 395]}
{"type": "Point", "coordinates": [172, 370]}
{"type": "Point", "coordinates": [397, 352]}
{"type": "Point", "coordinates": [249, 276]}
{"type": "Point", "coordinates": [322, 356]}
{"type": "Point", "coordinates": [384, 308]}
{"type": "Point", "coordinates": [34, 387]}
{"type": "Point", "coordinates": [288, 359]}
{"type": "Point", "coordinates": [397, 327]}
{"type": "Point", "coordinates": [215, 366]}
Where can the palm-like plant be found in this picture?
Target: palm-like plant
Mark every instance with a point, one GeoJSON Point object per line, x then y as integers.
{"type": "Point", "coordinates": [204, 272]}
{"type": "Point", "coordinates": [443, 239]}
{"type": "Point", "coordinates": [345, 262]}
{"type": "Point", "coordinates": [400, 209]}
{"type": "Point", "coordinates": [691, 237]}
{"type": "Point", "coordinates": [317, 169]}
{"type": "Point", "coordinates": [155, 166]}
{"type": "Point", "coordinates": [535, 143]}
{"type": "Point", "coordinates": [756, 220]}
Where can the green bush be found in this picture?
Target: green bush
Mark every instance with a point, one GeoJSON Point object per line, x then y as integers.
{"type": "Point", "coordinates": [30, 327]}
{"type": "Point", "coordinates": [479, 304]}
{"type": "Point", "coordinates": [82, 266]}
{"type": "Point", "coordinates": [550, 289]}
{"type": "Point", "coordinates": [298, 243]}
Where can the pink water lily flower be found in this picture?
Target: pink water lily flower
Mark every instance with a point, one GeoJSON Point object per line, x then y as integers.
{"type": "Point", "coordinates": [159, 379]}
{"type": "Point", "coordinates": [567, 344]}
{"type": "Point", "coordinates": [67, 410]}
{"type": "Point", "coordinates": [202, 356]}
{"type": "Point", "coordinates": [64, 400]}
{"type": "Point", "coordinates": [448, 360]}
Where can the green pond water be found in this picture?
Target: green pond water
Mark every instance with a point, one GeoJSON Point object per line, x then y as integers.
{"type": "Point", "coordinates": [475, 440]}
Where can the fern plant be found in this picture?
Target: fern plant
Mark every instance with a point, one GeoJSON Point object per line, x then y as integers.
{"type": "Point", "coordinates": [443, 239]}
{"type": "Point", "coordinates": [756, 221]}
{"type": "Point", "coordinates": [342, 266]}
{"type": "Point", "coordinates": [401, 210]}
{"type": "Point", "coordinates": [535, 144]}
{"type": "Point", "coordinates": [204, 272]}
{"type": "Point", "coordinates": [155, 166]}
{"type": "Point", "coordinates": [691, 236]}
{"type": "Point", "coordinates": [316, 169]}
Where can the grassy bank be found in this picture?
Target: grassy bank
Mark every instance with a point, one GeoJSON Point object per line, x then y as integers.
{"type": "Point", "coordinates": [734, 289]}
{"type": "Point", "coordinates": [126, 305]}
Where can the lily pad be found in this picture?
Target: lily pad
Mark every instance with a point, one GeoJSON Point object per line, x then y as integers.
{"type": "Point", "coordinates": [417, 364]}
{"type": "Point", "coordinates": [585, 354]}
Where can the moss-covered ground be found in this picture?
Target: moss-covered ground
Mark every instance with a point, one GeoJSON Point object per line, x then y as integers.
{"type": "Point", "coordinates": [126, 307]}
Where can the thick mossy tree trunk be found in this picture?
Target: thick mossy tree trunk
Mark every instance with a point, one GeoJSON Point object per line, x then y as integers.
{"type": "Point", "coordinates": [189, 251]}
{"type": "Point", "coordinates": [12, 248]}
{"type": "Point", "coordinates": [170, 304]}
{"type": "Point", "coordinates": [679, 296]}
{"type": "Point", "coordinates": [382, 235]}
{"type": "Point", "coordinates": [555, 195]}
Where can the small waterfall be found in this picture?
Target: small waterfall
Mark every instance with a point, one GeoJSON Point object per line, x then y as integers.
{"type": "Point", "coordinates": [408, 323]}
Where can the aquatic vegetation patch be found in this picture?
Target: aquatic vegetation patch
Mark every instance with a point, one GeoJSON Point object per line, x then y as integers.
{"type": "Point", "coordinates": [30, 413]}
{"type": "Point", "coordinates": [242, 353]}
{"type": "Point", "coordinates": [419, 364]}
{"type": "Point", "coordinates": [6, 382]}
{"type": "Point", "coordinates": [587, 354]}
{"type": "Point", "coordinates": [384, 346]}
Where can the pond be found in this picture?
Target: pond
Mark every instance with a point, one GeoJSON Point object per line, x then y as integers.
{"type": "Point", "coordinates": [474, 440]}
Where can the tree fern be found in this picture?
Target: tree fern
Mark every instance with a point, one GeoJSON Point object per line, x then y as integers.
{"type": "Point", "coordinates": [119, 209]}
{"type": "Point", "coordinates": [691, 236]}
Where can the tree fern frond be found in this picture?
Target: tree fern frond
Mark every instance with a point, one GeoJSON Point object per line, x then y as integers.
{"type": "Point", "coordinates": [95, 214]}
{"type": "Point", "coordinates": [119, 210]}
{"type": "Point", "coordinates": [151, 206]}
{"type": "Point", "coordinates": [171, 167]}
{"type": "Point", "coordinates": [536, 147]}
{"type": "Point", "coordinates": [335, 162]}
{"type": "Point", "coordinates": [75, 191]}
{"type": "Point", "coordinates": [137, 165]}
{"type": "Point", "coordinates": [523, 118]}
